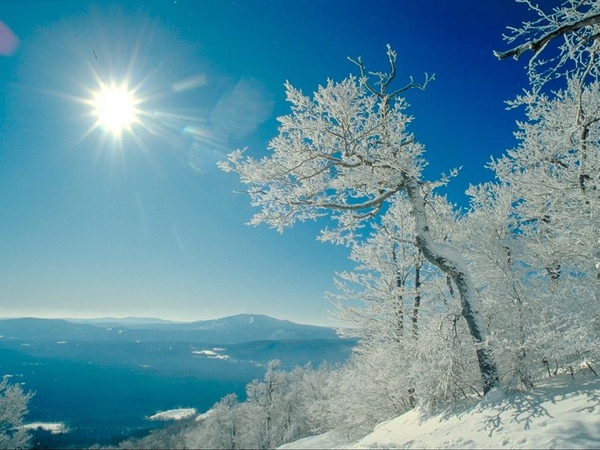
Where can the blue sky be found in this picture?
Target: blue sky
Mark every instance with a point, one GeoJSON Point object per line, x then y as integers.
{"type": "Point", "coordinates": [148, 226]}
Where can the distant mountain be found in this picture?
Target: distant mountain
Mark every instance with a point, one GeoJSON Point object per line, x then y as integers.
{"type": "Point", "coordinates": [169, 348]}
{"type": "Point", "coordinates": [227, 330]}
{"type": "Point", "coordinates": [258, 327]}
{"type": "Point", "coordinates": [121, 321]}
{"type": "Point", "coordinates": [172, 346]}
{"type": "Point", "coordinates": [32, 329]}
{"type": "Point", "coordinates": [102, 377]}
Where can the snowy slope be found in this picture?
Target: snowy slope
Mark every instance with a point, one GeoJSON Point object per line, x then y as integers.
{"type": "Point", "coordinates": [559, 413]}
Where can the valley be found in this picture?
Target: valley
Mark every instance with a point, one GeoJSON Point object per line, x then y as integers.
{"type": "Point", "coordinates": [104, 379]}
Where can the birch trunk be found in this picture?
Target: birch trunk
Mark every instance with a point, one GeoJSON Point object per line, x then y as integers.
{"type": "Point", "coordinates": [451, 262]}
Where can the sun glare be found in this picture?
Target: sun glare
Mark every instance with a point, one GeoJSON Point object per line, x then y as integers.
{"type": "Point", "coordinates": [122, 110]}
{"type": "Point", "coordinates": [115, 109]}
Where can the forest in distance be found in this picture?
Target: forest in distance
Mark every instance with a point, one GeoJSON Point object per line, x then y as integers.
{"type": "Point", "coordinates": [445, 306]}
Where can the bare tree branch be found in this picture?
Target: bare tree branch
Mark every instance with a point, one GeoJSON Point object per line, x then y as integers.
{"type": "Point", "coordinates": [538, 45]}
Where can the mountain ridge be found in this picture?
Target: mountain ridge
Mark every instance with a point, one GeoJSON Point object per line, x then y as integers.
{"type": "Point", "coordinates": [227, 330]}
{"type": "Point", "coordinates": [138, 320]}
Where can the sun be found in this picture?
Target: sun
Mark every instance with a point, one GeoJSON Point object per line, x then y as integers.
{"type": "Point", "coordinates": [118, 110]}
{"type": "Point", "coordinates": [115, 108]}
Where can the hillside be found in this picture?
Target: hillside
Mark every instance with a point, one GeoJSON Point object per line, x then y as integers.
{"type": "Point", "coordinates": [560, 412]}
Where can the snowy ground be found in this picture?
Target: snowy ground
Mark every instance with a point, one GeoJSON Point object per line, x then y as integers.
{"type": "Point", "coordinates": [559, 413]}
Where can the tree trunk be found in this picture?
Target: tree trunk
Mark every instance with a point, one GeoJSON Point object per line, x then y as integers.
{"type": "Point", "coordinates": [451, 262]}
{"type": "Point", "coordinates": [399, 309]}
{"type": "Point", "coordinates": [417, 304]}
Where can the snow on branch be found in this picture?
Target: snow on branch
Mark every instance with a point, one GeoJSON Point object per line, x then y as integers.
{"type": "Point", "coordinates": [573, 29]}
{"type": "Point", "coordinates": [537, 45]}
{"type": "Point", "coordinates": [386, 78]}
{"type": "Point", "coordinates": [343, 152]}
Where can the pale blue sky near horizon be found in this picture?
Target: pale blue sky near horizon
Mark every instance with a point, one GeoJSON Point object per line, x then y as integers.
{"type": "Point", "coordinates": [151, 227]}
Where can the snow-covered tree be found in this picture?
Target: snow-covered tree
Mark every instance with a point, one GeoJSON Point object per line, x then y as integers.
{"type": "Point", "coordinates": [534, 233]}
{"type": "Point", "coordinates": [282, 398]}
{"type": "Point", "coordinates": [554, 177]}
{"type": "Point", "coordinates": [563, 42]}
{"type": "Point", "coordinates": [13, 408]}
{"type": "Point", "coordinates": [346, 153]}
{"type": "Point", "coordinates": [269, 396]}
{"type": "Point", "coordinates": [386, 282]}
{"type": "Point", "coordinates": [392, 279]}
{"type": "Point", "coordinates": [278, 409]}
{"type": "Point", "coordinates": [219, 428]}
{"type": "Point", "coordinates": [490, 237]}
{"type": "Point", "coordinates": [388, 375]}
{"type": "Point", "coordinates": [169, 436]}
{"type": "Point", "coordinates": [403, 311]}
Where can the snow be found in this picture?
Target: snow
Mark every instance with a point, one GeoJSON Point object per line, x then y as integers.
{"type": "Point", "coordinates": [495, 395]}
{"type": "Point", "coordinates": [174, 414]}
{"type": "Point", "coordinates": [52, 427]}
{"type": "Point", "coordinates": [211, 353]}
{"type": "Point", "coordinates": [205, 415]}
{"type": "Point", "coordinates": [330, 439]}
{"type": "Point", "coordinates": [560, 412]}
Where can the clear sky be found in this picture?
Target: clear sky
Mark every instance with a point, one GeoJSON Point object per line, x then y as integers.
{"type": "Point", "coordinates": [145, 224]}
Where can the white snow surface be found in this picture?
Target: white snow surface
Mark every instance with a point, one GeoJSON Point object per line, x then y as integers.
{"type": "Point", "coordinates": [52, 427]}
{"type": "Point", "coordinates": [212, 354]}
{"type": "Point", "coordinates": [560, 412]}
{"type": "Point", "coordinates": [174, 414]}
{"type": "Point", "coordinates": [330, 439]}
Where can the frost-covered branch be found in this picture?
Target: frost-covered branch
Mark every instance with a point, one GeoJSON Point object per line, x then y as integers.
{"type": "Point", "coordinates": [337, 152]}
{"type": "Point", "coordinates": [574, 26]}
{"type": "Point", "coordinates": [386, 78]}
{"type": "Point", "coordinates": [537, 45]}
{"type": "Point", "coordinates": [376, 201]}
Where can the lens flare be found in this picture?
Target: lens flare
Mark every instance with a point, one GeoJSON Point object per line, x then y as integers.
{"type": "Point", "coordinates": [9, 42]}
